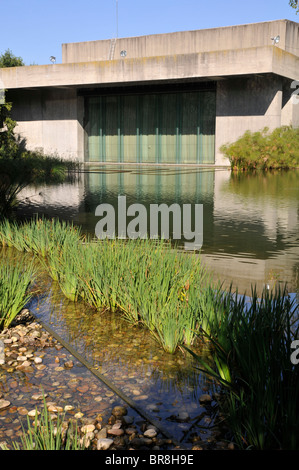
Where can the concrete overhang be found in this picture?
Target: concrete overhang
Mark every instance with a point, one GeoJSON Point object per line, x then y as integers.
{"type": "Point", "coordinates": [208, 65]}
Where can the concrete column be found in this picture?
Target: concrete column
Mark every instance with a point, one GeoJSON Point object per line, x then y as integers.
{"type": "Point", "coordinates": [246, 103]}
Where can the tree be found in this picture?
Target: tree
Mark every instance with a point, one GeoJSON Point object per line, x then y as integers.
{"type": "Point", "coordinates": [294, 4]}
{"type": "Point", "coordinates": [8, 59]}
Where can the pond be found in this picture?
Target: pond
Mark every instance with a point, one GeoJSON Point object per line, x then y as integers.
{"type": "Point", "coordinates": [250, 236]}
{"type": "Point", "coordinates": [250, 221]}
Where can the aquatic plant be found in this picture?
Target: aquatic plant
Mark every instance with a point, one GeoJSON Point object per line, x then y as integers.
{"type": "Point", "coordinates": [39, 235]}
{"type": "Point", "coordinates": [250, 343]}
{"type": "Point", "coordinates": [44, 434]}
{"type": "Point", "coordinates": [146, 280]}
{"type": "Point", "coordinates": [14, 290]}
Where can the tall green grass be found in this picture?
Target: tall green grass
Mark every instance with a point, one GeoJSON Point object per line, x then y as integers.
{"type": "Point", "coordinates": [14, 290]}
{"type": "Point", "coordinates": [147, 281]}
{"type": "Point", "coordinates": [44, 434]}
{"type": "Point", "coordinates": [251, 349]}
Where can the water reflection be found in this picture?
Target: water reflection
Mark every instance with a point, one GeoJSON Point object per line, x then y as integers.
{"type": "Point", "coordinates": [250, 224]}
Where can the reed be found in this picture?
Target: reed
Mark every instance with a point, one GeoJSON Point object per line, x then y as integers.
{"type": "Point", "coordinates": [146, 280]}
{"type": "Point", "coordinates": [251, 347]}
{"type": "Point", "coordinates": [14, 290]}
{"type": "Point", "coordinates": [44, 434]}
{"type": "Point", "coordinates": [38, 236]}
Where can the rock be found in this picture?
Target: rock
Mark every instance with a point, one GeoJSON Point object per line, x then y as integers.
{"type": "Point", "coordinates": [153, 408]}
{"type": "Point", "coordinates": [4, 404]}
{"type": "Point", "coordinates": [183, 416]}
{"type": "Point", "coordinates": [21, 358]}
{"type": "Point", "coordinates": [24, 365]}
{"type": "Point", "coordinates": [102, 434]}
{"type": "Point", "coordinates": [104, 443]}
{"type": "Point", "coordinates": [39, 396]}
{"type": "Point", "coordinates": [119, 411]}
{"type": "Point", "coordinates": [68, 408]}
{"type": "Point", "coordinates": [151, 432]}
{"type": "Point", "coordinates": [33, 413]}
{"type": "Point", "coordinates": [141, 397]}
{"type": "Point", "coordinates": [38, 360]}
{"type": "Point", "coordinates": [131, 431]}
{"type": "Point", "coordinates": [35, 334]}
{"type": "Point", "coordinates": [54, 408]}
{"type": "Point", "coordinates": [83, 388]}
{"type": "Point", "coordinates": [88, 428]}
{"type": "Point", "coordinates": [128, 419]}
{"type": "Point", "coordinates": [68, 364]}
{"type": "Point", "coordinates": [115, 432]}
{"type": "Point", "coordinates": [205, 398]}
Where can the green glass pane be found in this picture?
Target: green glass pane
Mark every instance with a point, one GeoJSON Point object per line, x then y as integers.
{"type": "Point", "coordinates": [129, 128]}
{"type": "Point", "coordinates": [167, 128]}
{"type": "Point", "coordinates": [148, 128]}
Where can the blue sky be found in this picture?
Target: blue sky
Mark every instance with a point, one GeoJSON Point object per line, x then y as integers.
{"type": "Point", "coordinates": [35, 29]}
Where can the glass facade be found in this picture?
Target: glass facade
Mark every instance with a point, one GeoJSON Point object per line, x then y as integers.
{"type": "Point", "coordinates": [176, 127]}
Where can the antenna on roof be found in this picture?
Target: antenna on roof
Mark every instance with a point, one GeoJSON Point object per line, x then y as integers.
{"type": "Point", "coordinates": [116, 19]}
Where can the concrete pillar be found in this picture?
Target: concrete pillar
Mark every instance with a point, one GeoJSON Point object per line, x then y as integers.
{"type": "Point", "coordinates": [246, 103]}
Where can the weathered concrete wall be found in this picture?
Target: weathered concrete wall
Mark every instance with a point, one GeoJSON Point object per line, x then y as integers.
{"type": "Point", "coordinates": [246, 104]}
{"type": "Point", "coordinates": [205, 40]}
{"type": "Point", "coordinates": [290, 103]}
{"type": "Point", "coordinates": [207, 65]}
{"type": "Point", "coordinates": [50, 121]}
{"type": "Point", "coordinates": [253, 78]}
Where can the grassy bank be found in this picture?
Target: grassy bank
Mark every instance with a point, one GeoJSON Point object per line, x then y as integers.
{"type": "Point", "coordinates": [264, 150]}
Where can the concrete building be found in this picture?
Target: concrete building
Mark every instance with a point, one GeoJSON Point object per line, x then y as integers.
{"type": "Point", "coordinates": [169, 98]}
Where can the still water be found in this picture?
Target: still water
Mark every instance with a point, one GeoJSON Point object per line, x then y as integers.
{"type": "Point", "coordinates": [250, 236]}
{"type": "Point", "coordinates": [250, 221]}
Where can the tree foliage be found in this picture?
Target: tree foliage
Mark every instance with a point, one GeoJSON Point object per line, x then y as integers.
{"type": "Point", "coordinates": [294, 4]}
{"type": "Point", "coordinates": [8, 59]}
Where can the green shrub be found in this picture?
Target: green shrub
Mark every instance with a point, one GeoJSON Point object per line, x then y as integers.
{"type": "Point", "coordinates": [263, 150]}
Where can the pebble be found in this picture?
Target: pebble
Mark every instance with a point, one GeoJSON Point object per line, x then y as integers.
{"type": "Point", "coordinates": [4, 404]}
{"type": "Point", "coordinates": [119, 411]}
{"type": "Point", "coordinates": [88, 428]}
{"type": "Point", "coordinates": [150, 433]}
{"type": "Point", "coordinates": [38, 368]}
{"type": "Point", "coordinates": [205, 398]}
{"type": "Point", "coordinates": [183, 416]}
{"type": "Point", "coordinates": [39, 396]}
{"type": "Point", "coordinates": [115, 432]}
{"type": "Point", "coordinates": [33, 413]}
{"type": "Point", "coordinates": [104, 443]}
